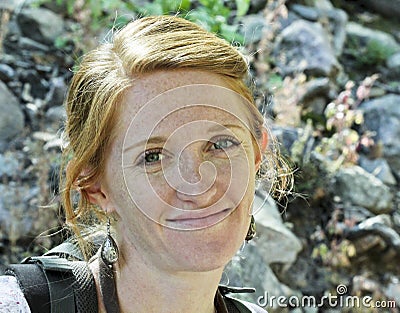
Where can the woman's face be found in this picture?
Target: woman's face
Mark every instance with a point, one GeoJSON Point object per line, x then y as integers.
{"type": "Point", "coordinates": [180, 171]}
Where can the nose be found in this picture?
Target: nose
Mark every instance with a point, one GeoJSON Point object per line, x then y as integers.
{"type": "Point", "coordinates": [197, 178]}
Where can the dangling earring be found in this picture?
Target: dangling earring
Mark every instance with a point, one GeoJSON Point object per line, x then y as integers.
{"type": "Point", "coordinates": [109, 249]}
{"type": "Point", "coordinates": [252, 229]}
{"type": "Point", "coordinates": [259, 175]}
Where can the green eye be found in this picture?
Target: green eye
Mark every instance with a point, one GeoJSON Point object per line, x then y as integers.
{"type": "Point", "coordinates": [153, 157]}
{"type": "Point", "coordinates": [222, 144]}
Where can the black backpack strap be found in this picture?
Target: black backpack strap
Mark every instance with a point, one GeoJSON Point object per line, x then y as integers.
{"type": "Point", "coordinates": [58, 279]}
{"type": "Point", "coordinates": [67, 250]}
{"type": "Point", "coordinates": [56, 285]}
{"type": "Point", "coordinates": [84, 288]}
{"type": "Point", "coordinates": [33, 283]}
{"type": "Point", "coordinates": [238, 306]}
{"type": "Point", "coordinates": [243, 306]}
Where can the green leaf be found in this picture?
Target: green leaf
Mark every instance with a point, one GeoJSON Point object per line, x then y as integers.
{"type": "Point", "coordinates": [185, 5]}
{"type": "Point", "coordinates": [275, 81]}
{"type": "Point", "coordinates": [206, 3]}
{"type": "Point", "coordinates": [242, 7]}
{"type": "Point", "coordinates": [70, 8]}
{"type": "Point", "coordinates": [201, 17]}
{"type": "Point", "coordinates": [95, 8]}
{"type": "Point", "coordinates": [60, 42]}
{"type": "Point", "coordinates": [229, 32]}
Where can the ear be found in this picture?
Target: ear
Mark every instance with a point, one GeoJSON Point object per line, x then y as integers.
{"type": "Point", "coordinates": [94, 192]}
{"type": "Point", "coordinates": [262, 146]}
{"type": "Point", "coordinates": [96, 195]}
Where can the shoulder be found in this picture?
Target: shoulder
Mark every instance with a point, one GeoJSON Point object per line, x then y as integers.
{"type": "Point", "coordinates": [11, 296]}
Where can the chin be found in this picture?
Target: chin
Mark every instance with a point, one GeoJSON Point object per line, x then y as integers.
{"type": "Point", "coordinates": [207, 249]}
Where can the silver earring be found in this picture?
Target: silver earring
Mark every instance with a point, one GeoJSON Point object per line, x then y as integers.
{"type": "Point", "coordinates": [109, 249]}
{"type": "Point", "coordinates": [251, 233]}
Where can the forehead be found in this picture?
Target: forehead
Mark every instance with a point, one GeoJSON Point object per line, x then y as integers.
{"type": "Point", "coordinates": [180, 97]}
{"type": "Point", "coordinates": [149, 86]}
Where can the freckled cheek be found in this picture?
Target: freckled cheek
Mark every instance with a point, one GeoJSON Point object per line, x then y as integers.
{"type": "Point", "coordinates": [241, 182]}
{"type": "Point", "coordinates": [161, 188]}
{"type": "Point", "coordinates": [224, 181]}
{"type": "Point", "coordinates": [231, 178]}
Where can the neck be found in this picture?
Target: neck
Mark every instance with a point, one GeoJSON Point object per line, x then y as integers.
{"type": "Point", "coordinates": [143, 287]}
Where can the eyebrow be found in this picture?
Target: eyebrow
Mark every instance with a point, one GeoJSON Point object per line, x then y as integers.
{"type": "Point", "coordinates": [219, 127]}
{"type": "Point", "coordinates": [152, 140]}
{"type": "Point", "coordinates": [161, 139]}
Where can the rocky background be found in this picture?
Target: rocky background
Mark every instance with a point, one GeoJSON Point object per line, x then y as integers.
{"type": "Point", "coordinates": [328, 73]}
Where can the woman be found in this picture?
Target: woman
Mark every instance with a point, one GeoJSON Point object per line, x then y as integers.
{"type": "Point", "coordinates": [164, 143]}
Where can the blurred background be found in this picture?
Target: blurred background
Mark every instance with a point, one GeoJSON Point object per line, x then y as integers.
{"type": "Point", "coordinates": [328, 74]}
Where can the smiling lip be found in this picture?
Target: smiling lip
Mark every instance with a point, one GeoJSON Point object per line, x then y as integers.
{"type": "Point", "coordinates": [194, 220]}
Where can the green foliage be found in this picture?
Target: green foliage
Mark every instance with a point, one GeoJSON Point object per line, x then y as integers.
{"type": "Point", "coordinates": [342, 115]}
{"type": "Point", "coordinates": [160, 7]}
{"type": "Point", "coordinates": [338, 254]}
{"type": "Point", "coordinates": [214, 16]}
{"type": "Point", "coordinates": [218, 16]}
{"type": "Point", "coordinates": [373, 53]}
{"type": "Point", "coordinates": [376, 53]}
{"type": "Point", "coordinates": [275, 81]}
{"type": "Point", "coordinates": [320, 251]}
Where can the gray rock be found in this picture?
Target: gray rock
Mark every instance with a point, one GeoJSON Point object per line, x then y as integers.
{"type": "Point", "coordinates": [392, 290]}
{"type": "Point", "coordinates": [306, 12]}
{"type": "Point", "coordinates": [304, 47]}
{"type": "Point", "coordinates": [286, 136]}
{"type": "Point", "coordinates": [257, 5]}
{"type": "Point", "coordinates": [11, 38]}
{"type": "Point", "coordinates": [357, 214]}
{"type": "Point", "coordinates": [40, 24]}
{"type": "Point", "coordinates": [383, 219]}
{"type": "Point", "coordinates": [355, 186]}
{"type": "Point", "coordinates": [316, 87]}
{"type": "Point", "coordinates": [361, 38]}
{"type": "Point", "coordinates": [382, 116]}
{"type": "Point", "coordinates": [362, 283]}
{"type": "Point", "coordinates": [379, 168]}
{"type": "Point", "coordinates": [389, 8]}
{"type": "Point", "coordinates": [252, 27]}
{"type": "Point", "coordinates": [59, 7]}
{"type": "Point", "coordinates": [337, 20]}
{"type": "Point", "coordinates": [38, 85]}
{"type": "Point", "coordinates": [393, 62]}
{"type": "Point", "coordinates": [274, 243]}
{"type": "Point", "coordinates": [277, 244]}
{"type": "Point", "coordinates": [396, 218]}
{"type": "Point", "coordinates": [16, 216]}
{"type": "Point", "coordinates": [240, 272]}
{"type": "Point", "coordinates": [56, 114]}
{"type": "Point", "coordinates": [320, 4]}
{"type": "Point", "coordinates": [29, 44]}
{"type": "Point", "coordinates": [6, 73]}
{"type": "Point", "coordinates": [57, 92]}
{"type": "Point", "coordinates": [11, 123]}
{"type": "Point", "coordinates": [11, 5]}
{"type": "Point", "coordinates": [9, 165]}
{"type": "Point", "coordinates": [315, 97]}
{"type": "Point", "coordinates": [382, 226]}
